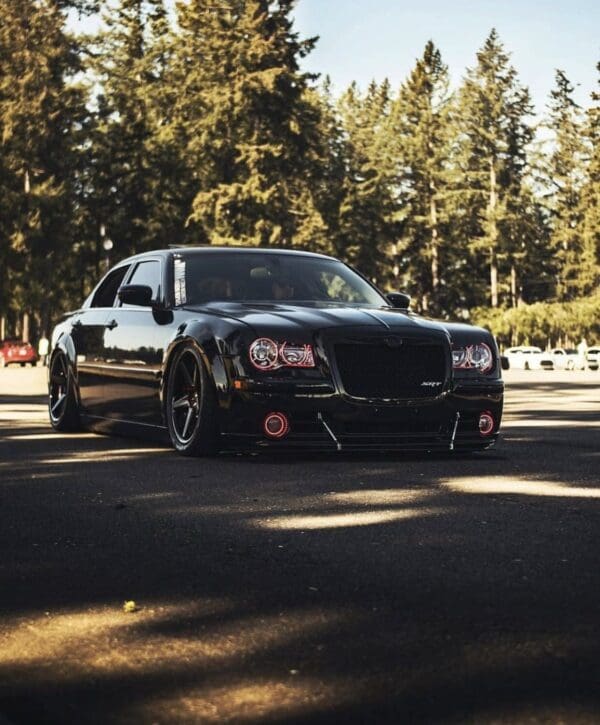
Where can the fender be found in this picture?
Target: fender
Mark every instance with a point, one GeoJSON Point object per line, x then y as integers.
{"type": "Point", "coordinates": [64, 344]}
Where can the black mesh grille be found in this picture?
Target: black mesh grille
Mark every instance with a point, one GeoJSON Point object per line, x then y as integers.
{"type": "Point", "coordinates": [375, 370]}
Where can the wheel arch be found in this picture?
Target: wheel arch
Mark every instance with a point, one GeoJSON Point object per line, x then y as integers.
{"type": "Point", "coordinates": [65, 346]}
{"type": "Point", "coordinates": [200, 336]}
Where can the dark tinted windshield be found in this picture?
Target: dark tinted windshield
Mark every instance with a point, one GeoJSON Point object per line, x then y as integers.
{"type": "Point", "coordinates": [251, 277]}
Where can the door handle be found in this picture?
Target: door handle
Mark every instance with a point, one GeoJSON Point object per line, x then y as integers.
{"type": "Point", "coordinates": [112, 324]}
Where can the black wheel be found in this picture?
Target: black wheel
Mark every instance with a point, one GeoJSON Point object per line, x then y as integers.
{"type": "Point", "coordinates": [191, 405]}
{"type": "Point", "coordinates": [526, 366]}
{"type": "Point", "coordinates": [62, 403]}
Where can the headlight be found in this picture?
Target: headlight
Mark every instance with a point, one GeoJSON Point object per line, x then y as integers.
{"type": "Point", "coordinates": [267, 354]}
{"type": "Point", "coordinates": [264, 354]}
{"type": "Point", "coordinates": [478, 357]}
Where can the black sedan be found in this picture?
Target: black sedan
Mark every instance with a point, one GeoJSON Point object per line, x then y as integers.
{"type": "Point", "coordinates": [228, 348]}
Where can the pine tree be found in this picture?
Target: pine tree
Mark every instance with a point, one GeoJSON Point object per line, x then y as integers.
{"type": "Point", "coordinates": [368, 228]}
{"type": "Point", "coordinates": [419, 119]}
{"type": "Point", "coordinates": [249, 125]}
{"type": "Point", "coordinates": [588, 276]}
{"type": "Point", "coordinates": [564, 178]}
{"type": "Point", "coordinates": [42, 110]}
{"type": "Point", "coordinates": [493, 140]}
{"type": "Point", "coordinates": [135, 176]}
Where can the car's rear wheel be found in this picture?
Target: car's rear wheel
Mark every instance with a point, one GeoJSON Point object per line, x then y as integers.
{"type": "Point", "coordinates": [62, 401]}
{"type": "Point", "coordinates": [191, 405]}
{"type": "Point", "coordinates": [526, 366]}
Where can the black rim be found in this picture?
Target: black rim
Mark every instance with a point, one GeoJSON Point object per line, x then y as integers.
{"type": "Point", "coordinates": [185, 398]}
{"type": "Point", "coordinates": [58, 387]}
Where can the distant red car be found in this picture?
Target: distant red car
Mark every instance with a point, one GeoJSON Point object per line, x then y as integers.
{"type": "Point", "coordinates": [16, 352]}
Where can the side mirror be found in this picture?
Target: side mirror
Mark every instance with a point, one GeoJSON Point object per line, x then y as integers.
{"type": "Point", "coordinates": [135, 294]}
{"type": "Point", "coordinates": [398, 300]}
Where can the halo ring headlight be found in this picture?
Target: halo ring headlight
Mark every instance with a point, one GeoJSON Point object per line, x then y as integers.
{"type": "Point", "coordinates": [473, 357]}
{"type": "Point", "coordinates": [264, 353]}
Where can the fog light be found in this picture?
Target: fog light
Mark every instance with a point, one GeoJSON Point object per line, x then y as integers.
{"type": "Point", "coordinates": [486, 423]}
{"type": "Point", "coordinates": [276, 425]}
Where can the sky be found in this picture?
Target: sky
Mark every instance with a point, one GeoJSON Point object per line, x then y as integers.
{"type": "Point", "coordinates": [363, 40]}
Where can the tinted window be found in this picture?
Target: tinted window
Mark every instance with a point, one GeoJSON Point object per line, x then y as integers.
{"type": "Point", "coordinates": [147, 273]}
{"type": "Point", "coordinates": [283, 278]}
{"type": "Point", "coordinates": [106, 293]}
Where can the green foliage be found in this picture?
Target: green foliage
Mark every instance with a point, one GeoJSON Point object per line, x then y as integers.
{"type": "Point", "coordinates": [419, 121]}
{"type": "Point", "coordinates": [249, 124]}
{"type": "Point", "coordinates": [367, 225]}
{"type": "Point", "coordinates": [543, 323]}
{"type": "Point", "coordinates": [42, 112]}
{"type": "Point", "coordinates": [200, 126]}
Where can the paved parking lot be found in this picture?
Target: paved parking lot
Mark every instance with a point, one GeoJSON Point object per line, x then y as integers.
{"type": "Point", "coordinates": [331, 589]}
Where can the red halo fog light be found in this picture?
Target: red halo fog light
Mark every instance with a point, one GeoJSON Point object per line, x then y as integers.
{"type": "Point", "coordinates": [486, 423]}
{"type": "Point", "coordinates": [276, 425]}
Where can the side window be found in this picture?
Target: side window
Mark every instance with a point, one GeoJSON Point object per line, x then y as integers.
{"type": "Point", "coordinates": [147, 273]}
{"type": "Point", "coordinates": [106, 293]}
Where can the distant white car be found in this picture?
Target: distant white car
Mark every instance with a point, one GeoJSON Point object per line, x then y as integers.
{"type": "Point", "coordinates": [562, 358]}
{"type": "Point", "coordinates": [524, 357]}
{"type": "Point", "coordinates": [592, 358]}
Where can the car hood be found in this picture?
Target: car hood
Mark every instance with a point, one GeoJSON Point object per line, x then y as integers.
{"type": "Point", "coordinates": [317, 316]}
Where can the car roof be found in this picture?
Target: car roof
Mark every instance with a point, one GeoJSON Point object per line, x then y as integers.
{"type": "Point", "coordinates": [211, 249]}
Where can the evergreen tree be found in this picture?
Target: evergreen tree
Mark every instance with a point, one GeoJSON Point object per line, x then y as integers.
{"type": "Point", "coordinates": [588, 275]}
{"type": "Point", "coordinates": [136, 175]}
{"type": "Point", "coordinates": [368, 229]}
{"type": "Point", "coordinates": [249, 125]}
{"type": "Point", "coordinates": [419, 119]}
{"type": "Point", "coordinates": [41, 113]}
{"type": "Point", "coordinates": [565, 177]}
{"type": "Point", "coordinates": [493, 140]}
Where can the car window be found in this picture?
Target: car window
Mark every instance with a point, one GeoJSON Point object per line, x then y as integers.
{"type": "Point", "coordinates": [248, 277]}
{"type": "Point", "coordinates": [147, 273]}
{"type": "Point", "coordinates": [105, 294]}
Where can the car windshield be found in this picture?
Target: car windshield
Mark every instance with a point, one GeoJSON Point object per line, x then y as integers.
{"type": "Point", "coordinates": [279, 278]}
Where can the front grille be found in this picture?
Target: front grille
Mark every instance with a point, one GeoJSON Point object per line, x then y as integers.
{"type": "Point", "coordinates": [375, 370]}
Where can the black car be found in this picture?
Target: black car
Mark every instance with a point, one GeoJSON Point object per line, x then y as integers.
{"type": "Point", "coordinates": [225, 348]}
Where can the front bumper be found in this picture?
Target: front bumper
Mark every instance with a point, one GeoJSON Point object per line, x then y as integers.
{"type": "Point", "coordinates": [321, 418]}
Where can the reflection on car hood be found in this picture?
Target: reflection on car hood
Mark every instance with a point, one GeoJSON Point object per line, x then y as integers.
{"type": "Point", "coordinates": [316, 316]}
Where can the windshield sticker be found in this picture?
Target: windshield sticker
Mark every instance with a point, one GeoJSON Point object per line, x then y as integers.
{"type": "Point", "coordinates": [179, 282]}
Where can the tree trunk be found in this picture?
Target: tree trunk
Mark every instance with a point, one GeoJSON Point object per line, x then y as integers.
{"type": "Point", "coordinates": [435, 259]}
{"type": "Point", "coordinates": [514, 302]}
{"type": "Point", "coordinates": [493, 232]}
{"type": "Point", "coordinates": [25, 333]}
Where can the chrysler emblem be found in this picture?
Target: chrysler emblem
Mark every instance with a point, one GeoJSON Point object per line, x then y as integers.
{"type": "Point", "coordinates": [393, 341]}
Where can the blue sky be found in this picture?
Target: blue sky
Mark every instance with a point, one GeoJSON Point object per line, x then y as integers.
{"type": "Point", "coordinates": [361, 40]}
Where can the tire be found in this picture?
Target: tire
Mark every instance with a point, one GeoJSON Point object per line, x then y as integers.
{"type": "Point", "coordinates": [526, 366]}
{"type": "Point", "coordinates": [191, 405]}
{"type": "Point", "coordinates": [62, 401]}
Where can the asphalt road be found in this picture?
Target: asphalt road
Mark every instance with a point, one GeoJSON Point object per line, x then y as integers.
{"type": "Point", "coordinates": [338, 589]}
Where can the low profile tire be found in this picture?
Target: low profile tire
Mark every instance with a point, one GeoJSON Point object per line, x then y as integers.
{"type": "Point", "coordinates": [62, 402]}
{"type": "Point", "coordinates": [191, 406]}
{"type": "Point", "coordinates": [526, 366]}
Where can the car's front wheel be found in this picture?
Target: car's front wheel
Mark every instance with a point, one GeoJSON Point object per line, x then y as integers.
{"type": "Point", "coordinates": [191, 407]}
{"type": "Point", "coordinates": [62, 401]}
